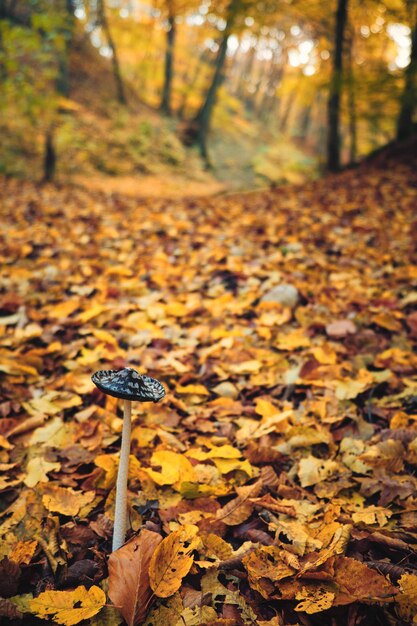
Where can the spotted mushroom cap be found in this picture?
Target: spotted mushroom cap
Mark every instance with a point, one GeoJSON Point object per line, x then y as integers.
{"type": "Point", "coordinates": [129, 385]}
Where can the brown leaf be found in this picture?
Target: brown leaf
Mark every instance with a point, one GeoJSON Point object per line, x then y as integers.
{"type": "Point", "coordinates": [238, 510]}
{"type": "Point", "coordinates": [9, 610]}
{"type": "Point", "coordinates": [129, 587]}
{"type": "Point", "coordinates": [357, 582]}
{"type": "Point", "coordinates": [9, 577]}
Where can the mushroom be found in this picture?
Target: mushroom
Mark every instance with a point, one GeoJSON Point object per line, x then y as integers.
{"type": "Point", "coordinates": [129, 385]}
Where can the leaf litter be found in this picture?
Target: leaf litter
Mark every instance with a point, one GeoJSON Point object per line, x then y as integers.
{"type": "Point", "coordinates": [275, 483]}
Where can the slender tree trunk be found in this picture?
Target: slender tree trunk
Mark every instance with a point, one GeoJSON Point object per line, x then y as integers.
{"type": "Point", "coordinates": [101, 10]}
{"type": "Point", "coordinates": [353, 135]}
{"type": "Point", "coordinates": [286, 113]}
{"type": "Point", "coordinates": [333, 106]}
{"type": "Point", "coordinates": [169, 66]}
{"type": "Point", "coordinates": [305, 121]}
{"type": "Point", "coordinates": [63, 79]}
{"type": "Point", "coordinates": [203, 118]}
{"type": "Point", "coordinates": [49, 159]}
{"type": "Point", "coordinates": [409, 95]}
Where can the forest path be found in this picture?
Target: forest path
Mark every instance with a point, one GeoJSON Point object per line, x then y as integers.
{"type": "Point", "coordinates": [151, 186]}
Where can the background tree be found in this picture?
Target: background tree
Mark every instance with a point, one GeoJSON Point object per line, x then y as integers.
{"type": "Point", "coordinates": [103, 22]}
{"type": "Point", "coordinates": [409, 94]}
{"type": "Point", "coordinates": [335, 90]}
{"type": "Point", "coordinates": [234, 11]}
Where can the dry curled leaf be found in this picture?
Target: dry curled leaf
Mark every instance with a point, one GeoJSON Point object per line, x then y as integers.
{"type": "Point", "coordinates": [129, 585]}
{"type": "Point", "coordinates": [238, 510]}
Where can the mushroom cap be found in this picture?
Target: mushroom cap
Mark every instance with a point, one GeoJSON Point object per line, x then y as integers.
{"type": "Point", "coordinates": [129, 385]}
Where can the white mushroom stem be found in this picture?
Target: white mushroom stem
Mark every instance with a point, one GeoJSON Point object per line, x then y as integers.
{"type": "Point", "coordinates": [120, 514]}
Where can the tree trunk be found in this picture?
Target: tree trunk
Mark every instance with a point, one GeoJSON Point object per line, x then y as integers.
{"type": "Point", "coordinates": [49, 160]}
{"type": "Point", "coordinates": [286, 113]}
{"type": "Point", "coordinates": [203, 118]}
{"type": "Point", "coordinates": [408, 97]}
{"type": "Point", "coordinates": [333, 106]}
{"type": "Point", "coordinates": [353, 135]}
{"type": "Point", "coordinates": [101, 11]}
{"type": "Point", "coordinates": [169, 66]}
{"type": "Point", "coordinates": [63, 79]}
{"type": "Point", "coordinates": [305, 121]}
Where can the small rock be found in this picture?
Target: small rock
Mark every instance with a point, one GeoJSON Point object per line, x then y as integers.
{"type": "Point", "coordinates": [340, 329]}
{"type": "Point", "coordinates": [287, 295]}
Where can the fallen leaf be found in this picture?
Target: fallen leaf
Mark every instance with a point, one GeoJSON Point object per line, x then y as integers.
{"type": "Point", "coordinates": [172, 560]}
{"type": "Point", "coordinates": [69, 607]}
{"type": "Point", "coordinates": [315, 598]}
{"type": "Point", "coordinates": [407, 599]}
{"type": "Point", "coordinates": [65, 500]}
{"type": "Point", "coordinates": [37, 471]}
{"type": "Point", "coordinates": [238, 510]}
{"type": "Point", "coordinates": [129, 584]}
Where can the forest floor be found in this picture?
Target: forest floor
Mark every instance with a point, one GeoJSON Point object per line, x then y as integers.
{"type": "Point", "coordinates": [275, 483]}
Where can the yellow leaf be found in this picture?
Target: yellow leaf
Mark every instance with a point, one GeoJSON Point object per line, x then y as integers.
{"type": "Point", "coordinates": [217, 452]}
{"type": "Point", "coordinates": [315, 598]}
{"type": "Point", "coordinates": [37, 470]}
{"type": "Point", "coordinates": [246, 367]}
{"type": "Point", "coordinates": [312, 470]}
{"type": "Point", "coordinates": [230, 465]}
{"type": "Point", "coordinates": [69, 607]}
{"type": "Point", "coordinates": [103, 335]}
{"type": "Point", "coordinates": [388, 321]}
{"type": "Point", "coordinates": [14, 368]}
{"type": "Point", "coordinates": [4, 443]}
{"type": "Point", "coordinates": [90, 313]}
{"type": "Point", "coordinates": [294, 340]}
{"type": "Point", "coordinates": [175, 469]}
{"type": "Point", "coordinates": [372, 515]}
{"type": "Point", "coordinates": [108, 463]}
{"type": "Point", "coordinates": [215, 546]}
{"type": "Point", "coordinates": [62, 309]}
{"type": "Point", "coordinates": [350, 388]}
{"type": "Point", "coordinates": [265, 408]}
{"type": "Point", "coordinates": [407, 600]}
{"type": "Point", "coordinates": [65, 500]}
{"type": "Point", "coordinates": [55, 433]}
{"type": "Point", "coordinates": [198, 390]}
{"type": "Point", "coordinates": [266, 562]}
{"type": "Point", "coordinates": [324, 355]}
{"type": "Point", "coordinates": [172, 560]}
{"type": "Point", "coordinates": [23, 551]}
{"type": "Point", "coordinates": [144, 436]}
{"type": "Point", "coordinates": [176, 309]}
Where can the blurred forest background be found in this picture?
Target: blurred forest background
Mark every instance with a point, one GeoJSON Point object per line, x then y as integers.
{"type": "Point", "coordinates": [237, 93]}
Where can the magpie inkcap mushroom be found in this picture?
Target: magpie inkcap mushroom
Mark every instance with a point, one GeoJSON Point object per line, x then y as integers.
{"type": "Point", "coordinates": [129, 385]}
